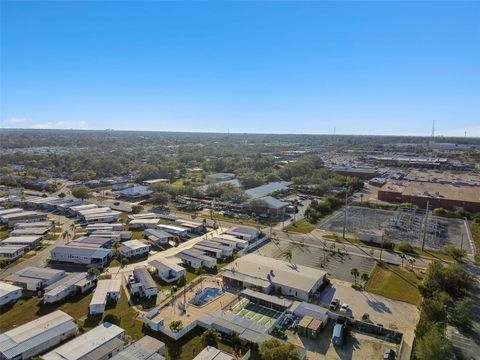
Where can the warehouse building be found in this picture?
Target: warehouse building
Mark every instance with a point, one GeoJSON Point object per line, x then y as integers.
{"type": "Point", "coordinates": [35, 278]}
{"type": "Point", "coordinates": [142, 284]}
{"type": "Point", "coordinates": [134, 248]}
{"type": "Point", "coordinates": [68, 286]}
{"type": "Point", "coordinates": [97, 257]}
{"type": "Point", "coordinates": [146, 348]}
{"type": "Point", "coordinates": [37, 336]}
{"type": "Point", "coordinates": [167, 269]}
{"type": "Point", "coordinates": [448, 196]}
{"type": "Point", "coordinates": [102, 342]}
{"type": "Point", "coordinates": [106, 290]}
{"type": "Point", "coordinates": [270, 274]}
{"type": "Point", "coordinates": [9, 293]}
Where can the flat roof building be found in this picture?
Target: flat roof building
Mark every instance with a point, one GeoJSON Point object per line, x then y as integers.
{"type": "Point", "coordinates": [37, 336]}
{"type": "Point", "coordinates": [271, 274]}
{"type": "Point", "coordinates": [106, 290]}
{"type": "Point", "coordinates": [9, 293]}
{"type": "Point", "coordinates": [142, 284]}
{"type": "Point", "coordinates": [25, 216]}
{"type": "Point", "coordinates": [41, 224]}
{"type": "Point", "coordinates": [97, 257]}
{"type": "Point", "coordinates": [35, 278]}
{"type": "Point", "coordinates": [31, 242]}
{"type": "Point", "coordinates": [146, 348]}
{"type": "Point", "coordinates": [39, 231]}
{"type": "Point", "coordinates": [167, 269]}
{"type": "Point", "coordinates": [102, 342]}
{"type": "Point", "coordinates": [133, 248]}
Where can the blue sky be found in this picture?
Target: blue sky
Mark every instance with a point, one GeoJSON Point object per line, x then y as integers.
{"type": "Point", "coordinates": [271, 67]}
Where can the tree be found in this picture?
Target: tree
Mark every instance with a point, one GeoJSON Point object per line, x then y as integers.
{"type": "Point", "coordinates": [93, 271]}
{"type": "Point", "coordinates": [176, 325]}
{"type": "Point", "coordinates": [411, 260]}
{"type": "Point", "coordinates": [125, 261]}
{"type": "Point", "coordinates": [66, 235]}
{"type": "Point", "coordinates": [355, 273]}
{"type": "Point", "coordinates": [456, 253]}
{"type": "Point", "coordinates": [81, 192]}
{"type": "Point", "coordinates": [275, 350]}
{"type": "Point", "coordinates": [136, 209]}
{"type": "Point", "coordinates": [462, 313]}
{"type": "Point", "coordinates": [405, 247]}
{"type": "Point", "coordinates": [181, 281]}
{"type": "Point", "coordinates": [211, 337]}
{"type": "Point", "coordinates": [160, 198]}
{"type": "Point", "coordinates": [403, 257]}
{"type": "Point", "coordinates": [433, 346]}
{"type": "Point", "coordinates": [116, 249]}
{"type": "Point", "coordinates": [61, 195]}
{"type": "Point", "coordinates": [288, 255]}
{"type": "Point", "coordinates": [365, 277]}
{"type": "Point", "coordinates": [3, 263]}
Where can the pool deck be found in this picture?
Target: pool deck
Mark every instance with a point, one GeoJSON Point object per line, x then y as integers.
{"type": "Point", "coordinates": [193, 312]}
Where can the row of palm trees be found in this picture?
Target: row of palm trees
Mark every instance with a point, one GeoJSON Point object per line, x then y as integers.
{"type": "Point", "coordinates": [355, 273]}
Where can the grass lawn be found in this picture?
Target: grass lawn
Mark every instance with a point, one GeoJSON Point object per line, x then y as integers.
{"type": "Point", "coordinates": [301, 226]}
{"type": "Point", "coordinates": [114, 263]}
{"type": "Point", "coordinates": [30, 309]}
{"type": "Point", "coordinates": [4, 232]}
{"type": "Point", "coordinates": [192, 348]}
{"type": "Point", "coordinates": [475, 230]}
{"type": "Point", "coordinates": [394, 283]}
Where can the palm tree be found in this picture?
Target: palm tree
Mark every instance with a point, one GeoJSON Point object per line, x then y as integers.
{"type": "Point", "coordinates": [288, 255]}
{"type": "Point", "coordinates": [72, 229]}
{"type": "Point", "coordinates": [355, 274]}
{"type": "Point", "coordinates": [403, 257]}
{"type": "Point", "coordinates": [411, 260]}
{"type": "Point", "coordinates": [66, 235]}
{"type": "Point", "coordinates": [365, 277]}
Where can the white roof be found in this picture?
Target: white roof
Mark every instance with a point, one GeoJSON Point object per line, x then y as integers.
{"type": "Point", "coordinates": [64, 283]}
{"type": "Point", "coordinates": [172, 228]}
{"type": "Point", "coordinates": [163, 264]}
{"type": "Point", "coordinates": [146, 348]}
{"type": "Point", "coordinates": [84, 344]}
{"type": "Point", "coordinates": [40, 224]}
{"type": "Point", "coordinates": [103, 288]}
{"type": "Point", "coordinates": [6, 288]}
{"type": "Point", "coordinates": [143, 221]}
{"type": "Point", "coordinates": [211, 353]}
{"type": "Point", "coordinates": [35, 333]}
{"type": "Point", "coordinates": [94, 253]}
{"type": "Point", "coordinates": [22, 239]}
{"type": "Point", "coordinates": [133, 245]}
{"type": "Point", "coordinates": [263, 271]}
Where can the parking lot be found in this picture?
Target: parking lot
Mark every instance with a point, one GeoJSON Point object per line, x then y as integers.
{"type": "Point", "coordinates": [400, 226]}
{"type": "Point", "coordinates": [391, 314]}
{"type": "Point", "coordinates": [337, 266]}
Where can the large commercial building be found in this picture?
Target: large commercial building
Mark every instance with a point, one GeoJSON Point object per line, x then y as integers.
{"type": "Point", "coordinates": [37, 336]}
{"type": "Point", "coordinates": [102, 342]}
{"type": "Point", "coordinates": [270, 274]}
{"type": "Point", "coordinates": [437, 195]}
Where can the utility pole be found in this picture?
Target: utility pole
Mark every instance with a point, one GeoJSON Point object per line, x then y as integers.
{"type": "Point", "coordinates": [461, 243]}
{"type": "Point", "coordinates": [345, 214]}
{"type": "Point", "coordinates": [381, 245]}
{"type": "Point", "coordinates": [425, 226]}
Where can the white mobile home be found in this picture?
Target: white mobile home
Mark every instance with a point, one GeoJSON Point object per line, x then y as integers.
{"type": "Point", "coordinates": [244, 233]}
{"type": "Point", "coordinates": [167, 269]}
{"type": "Point", "coordinates": [41, 224]}
{"type": "Point", "coordinates": [68, 286]}
{"type": "Point", "coordinates": [226, 251]}
{"type": "Point", "coordinates": [174, 230]}
{"type": "Point", "coordinates": [157, 237]}
{"type": "Point", "coordinates": [196, 259]}
{"type": "Point", "coordinates": [98, 257]}
{"type": "Point", "coordinates": [194, 226]}
{"type": "Point", "coordinates": [39, 231]}
{"type": "Point", "coordinates": [103, 217]}
{"type": "Point", "coordinates": [35, 278]}
{"type": "Point", "coordinates": [239, 243]}
{"type": "Point", "coordinates": [12, 252]}
{"type": "Point", "coordinates": [100, 343]}
{"type": "Point", "coordinates": [9, 293]}
{"type": "Point", "coordinates": [31, 242]}
{"type": "Point", "coordinates": [209, 251]}
{"type": "Point", "coordinates": [103, 226]}
{"type": "Point", "coordinates": [141, 224]}
{"type": "Point", "coordinates": [37, 336]}
{"type": "Point", "coordinates": [92, 242]}
{"type": "Point", "coordinates": [9, 211]}
{"type": "Point", "coordinates": [134, 248]}
{"type": "Point", "coordinates": [25, 216]}
{"type": "Point", "coordinates": [141, 283]}
{"type": "Point", "coordinates": [146, 348]}
{"type": "Point", "coordinates": [106, 290]}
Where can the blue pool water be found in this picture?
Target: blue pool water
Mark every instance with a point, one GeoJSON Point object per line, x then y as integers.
{"type": "Point", "coordinates": [205, 296]}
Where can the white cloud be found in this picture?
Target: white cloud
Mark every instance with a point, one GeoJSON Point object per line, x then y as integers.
{"type": "Point", "coordinates": [61, 125]}
{"type": "Point", "coordinates": [17, 120]}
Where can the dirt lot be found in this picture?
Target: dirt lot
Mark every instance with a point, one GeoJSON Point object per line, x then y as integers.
{"type": "Point", "coordinates": [392, 314]}
{"type": "Point", "coordinates": [356, 346]}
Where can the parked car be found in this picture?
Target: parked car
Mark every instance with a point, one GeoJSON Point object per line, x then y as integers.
{"type": "Point", "coordinates": [344, 309]}
{"type": "Point", "coordinates": [334, 304]}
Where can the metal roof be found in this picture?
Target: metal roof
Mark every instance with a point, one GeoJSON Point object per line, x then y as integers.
{"type": "Point", "coordinates": [144, 349]}
{"type": "Point", "coordinates": [103, 288]}
{"type": "Point", "coordinates": [6, 288]}
{"type": "Point", "coordinates": [34, 333]}
{"type": "Point", "coordinates": [212, 353]}
{"type": "Point", "coordinates": [64, 283]}
{"type": "Point", "coordinates": [166, 264]}
{"type": "Point", "coordinates": [267, 298]}
{"type": "Point", "coordinates": [94, 253]}
{"type": "Point", "coordinates": [143, 276]}
{"type": "Point", "coordinates": [266, 189]}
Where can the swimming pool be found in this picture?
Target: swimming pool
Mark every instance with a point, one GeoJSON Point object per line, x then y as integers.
{"type": "Point", "coordinates": [205, 296]}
